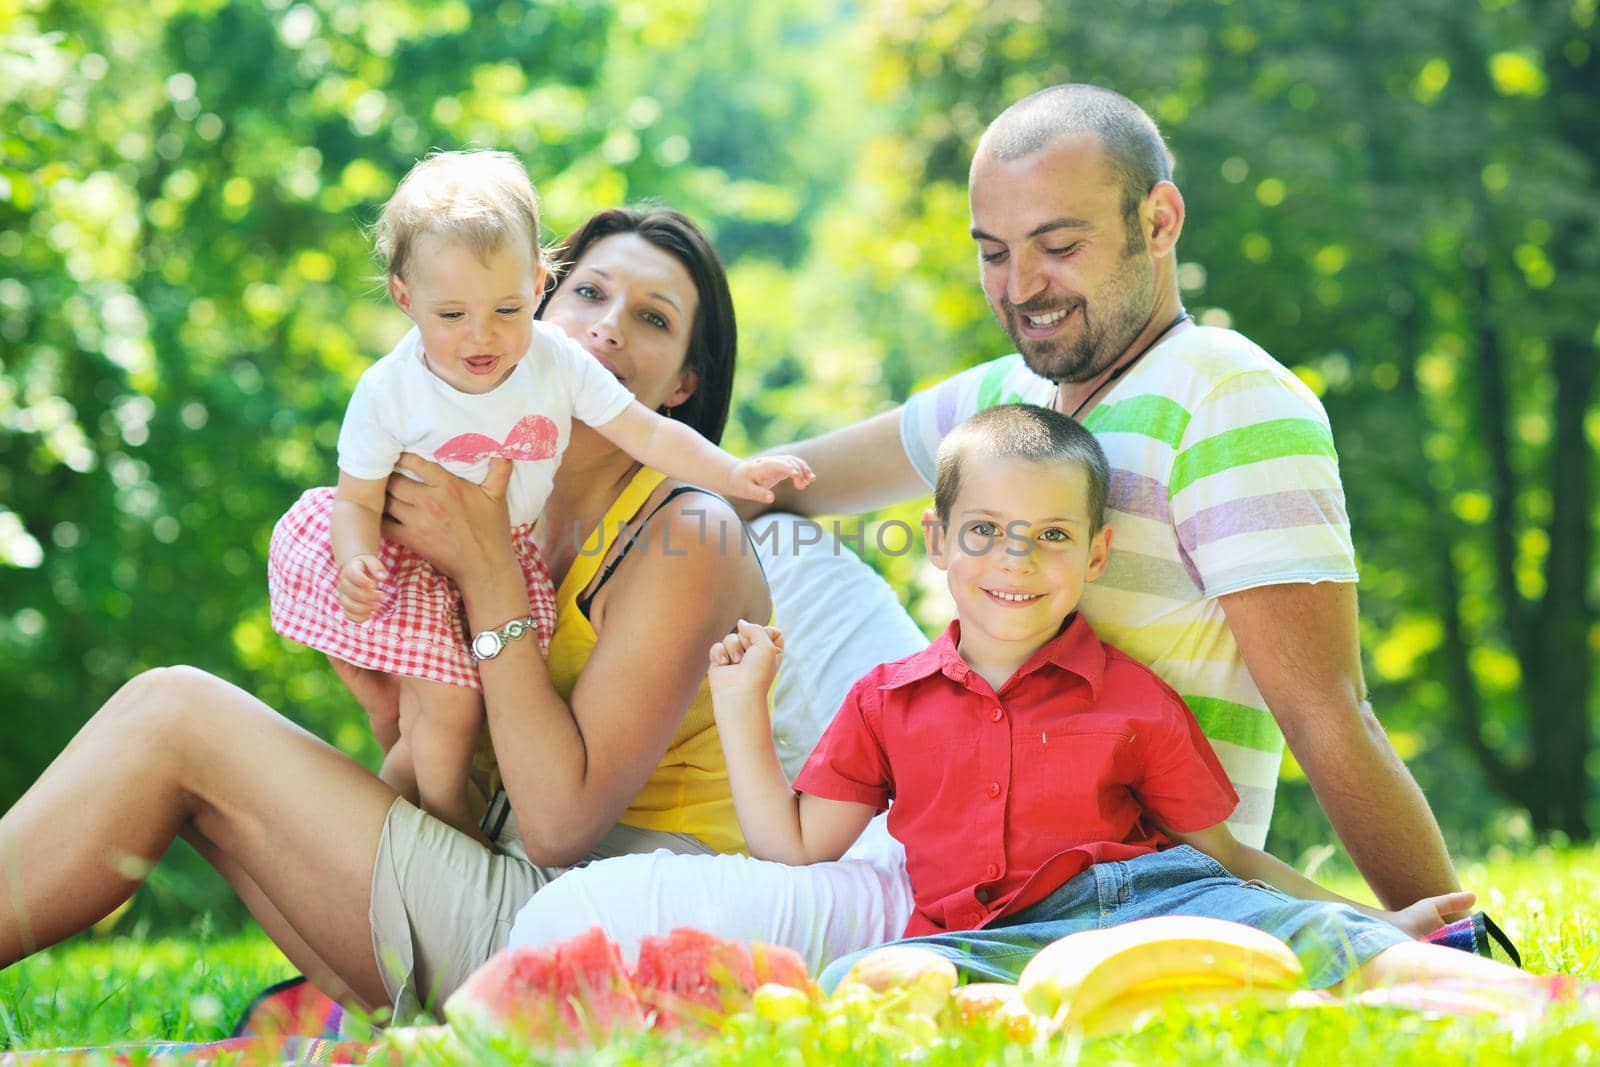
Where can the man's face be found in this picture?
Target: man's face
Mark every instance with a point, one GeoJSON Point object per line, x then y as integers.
{"type": "Point", "coordinates": [1057, 263]}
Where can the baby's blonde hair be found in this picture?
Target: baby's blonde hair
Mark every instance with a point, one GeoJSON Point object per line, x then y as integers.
{"type": "Point", "coordinates": [482, 199]}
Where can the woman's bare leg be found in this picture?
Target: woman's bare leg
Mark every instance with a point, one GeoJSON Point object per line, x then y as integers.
{"type": "Point", "coordinates": [177, 751]}
{"type": "Point", "coordinates": [1420, 961]}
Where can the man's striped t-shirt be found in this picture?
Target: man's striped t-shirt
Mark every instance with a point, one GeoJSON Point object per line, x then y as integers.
{"type": "Point", "coordinates": [1223, 478]}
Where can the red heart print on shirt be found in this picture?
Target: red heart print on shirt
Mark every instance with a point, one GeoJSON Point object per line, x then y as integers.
{"type": "Point", "coordinates": [533, 437]}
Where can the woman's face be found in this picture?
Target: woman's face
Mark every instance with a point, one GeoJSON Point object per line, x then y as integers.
{"type": "Point", "coordinates": [633, 307]}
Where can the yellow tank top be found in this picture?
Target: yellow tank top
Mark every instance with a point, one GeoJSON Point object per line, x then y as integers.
{"type": "Point", "coordinates": [688, 793]}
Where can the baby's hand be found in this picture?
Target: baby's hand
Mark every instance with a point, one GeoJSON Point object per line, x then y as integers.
{"type": "Point", "coordinates": [753, 479]}
{"type": "Point", "coordinates": [1429, 913]}
{"type": "Point", "coordinates": [744, 663]}
{"type": "Point", "coordinates": [359, 588]}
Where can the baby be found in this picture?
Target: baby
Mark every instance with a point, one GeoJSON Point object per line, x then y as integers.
{"type": "Point", "coordinates": [477, 378]}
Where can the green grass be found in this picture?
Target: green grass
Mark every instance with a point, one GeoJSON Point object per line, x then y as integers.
{"type": "Point", "coordinates": [98, 990]}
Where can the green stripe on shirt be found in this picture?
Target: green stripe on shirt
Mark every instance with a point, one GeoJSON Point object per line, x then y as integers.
{"type": "Point", "coordinates": [1150, 415]}
{"type": "Point", "coordinates": [1237, 724]}
{"type": "Point", "coordinates": [1249, 444]}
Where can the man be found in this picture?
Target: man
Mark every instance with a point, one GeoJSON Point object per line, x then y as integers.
{"type": "Point", "coordinates": [1232, 575]}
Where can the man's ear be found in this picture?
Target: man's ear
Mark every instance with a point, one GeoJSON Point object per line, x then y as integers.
{"type": "Point", "coordinates": [1162, 218]}
{"type": "Point", "coordinates": [1099, 552]}
{"type": "Point", "coordinates": [399, 293]}
{"type": "Point", "coordinates": [934, 539]}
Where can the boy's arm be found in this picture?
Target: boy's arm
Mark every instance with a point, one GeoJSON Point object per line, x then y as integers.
{"type": "Point", "coordinates": [356, 519]}
{"type": "Point", "coordinates": [778, 824]}
{"type": "Point", "coordinates": [672, 447]}
{"type": "Point", "coordinates": [1252, 864]}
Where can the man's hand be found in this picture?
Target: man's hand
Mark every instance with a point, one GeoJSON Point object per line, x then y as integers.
{"type": "Point", "coordinates": [753, 479]}
{"type": "Point", "coordinates": [744, 663]}
{"type": "Point", "coordinates": [1429, 913]}
{"type": "Point", "coordinates": [360, 586]}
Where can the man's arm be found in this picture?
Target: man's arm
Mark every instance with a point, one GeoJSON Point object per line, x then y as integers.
{"type": "Point", "coordinates": [858, 468]}
{"type": "Point", "coordinates": [1301, 645]}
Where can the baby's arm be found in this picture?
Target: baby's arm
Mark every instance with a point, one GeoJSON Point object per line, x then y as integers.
{"type": "Point", "coordinates": [778, 824]}
{"type": "Point", "coordinates": [670, 446]}
{"type": "Point", "coordinates": [1247, 863]}
{"type": "Point", "coordinates": [357, 517]}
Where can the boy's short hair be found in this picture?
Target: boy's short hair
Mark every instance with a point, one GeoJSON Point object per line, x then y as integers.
{"type": "Point", "coordinates": [482, 199]}
{"type": "Point", "coordinates": [1022, 431]}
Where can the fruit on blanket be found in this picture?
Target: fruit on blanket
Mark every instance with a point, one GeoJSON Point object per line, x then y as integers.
{"type": "Point", "coordinates": [999, 1003]}
{"type": "Point", "coordinates": [1073, 979]}
{"type": "Point", "coordinates": [576, 992]}
{"type": "Point", "coordinates": [778, 1003]}
{"type": "Point", "coordinates": [908, 978]}
{"type": "Point", "coordinates": [1141, 1005]}
{"type": "Point", "coordinates": [417, 1044]}
{"type": "Point", "coordinates": [690, 977]}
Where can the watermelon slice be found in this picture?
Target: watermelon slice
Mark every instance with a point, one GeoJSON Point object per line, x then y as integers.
{"type": "Point", "coordinates": [573, 993]}
{"type": "Point", "coordinates": [692, 979]}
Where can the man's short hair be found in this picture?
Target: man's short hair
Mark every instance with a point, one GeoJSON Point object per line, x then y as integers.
{"type": "Point", "coordinates": [1026, 432]}
{"type": "Point", "coordinates": [1133, 147]}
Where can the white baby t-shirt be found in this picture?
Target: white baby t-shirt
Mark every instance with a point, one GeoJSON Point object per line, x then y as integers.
{"type": "Point", "coordinates": [399, 405]}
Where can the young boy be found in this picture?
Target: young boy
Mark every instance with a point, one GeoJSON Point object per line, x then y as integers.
{"type": "Point", "coordinates": [1040, 778]}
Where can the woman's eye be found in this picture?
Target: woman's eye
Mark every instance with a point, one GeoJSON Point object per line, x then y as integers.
{"type": "Point", "coordinates": [587, 290]}
{"type": "Point", "coordinates": [655, 318]}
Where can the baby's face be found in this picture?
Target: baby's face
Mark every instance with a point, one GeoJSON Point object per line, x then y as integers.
{"type": "Point", "coordinates": [1019, 548]}
{"type": "Point", "coordinates": [475, 315]}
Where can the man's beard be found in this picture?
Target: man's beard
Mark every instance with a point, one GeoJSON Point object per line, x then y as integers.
{"type": "Point", "coordinates": [1097, 345]}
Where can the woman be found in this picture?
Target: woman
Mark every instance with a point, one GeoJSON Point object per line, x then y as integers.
{"type": "Point", "coordinates": [608, 751]}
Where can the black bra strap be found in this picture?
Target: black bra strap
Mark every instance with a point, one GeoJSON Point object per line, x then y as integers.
{"type": "Point", "coordinates": [633, 539]}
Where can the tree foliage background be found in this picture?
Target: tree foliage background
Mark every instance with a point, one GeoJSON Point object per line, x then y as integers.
{"type": "Point", "coordinates": [1398, 200]}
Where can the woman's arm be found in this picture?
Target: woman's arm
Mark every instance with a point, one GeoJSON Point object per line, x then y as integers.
{"type": "Point", "coordinates": [1247, 863]}
{"type": "Point", "coordinates": [571, 769]}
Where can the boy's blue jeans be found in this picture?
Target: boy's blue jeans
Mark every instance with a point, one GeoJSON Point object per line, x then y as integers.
{"type": "Point", "coordinates": [1331, 940]}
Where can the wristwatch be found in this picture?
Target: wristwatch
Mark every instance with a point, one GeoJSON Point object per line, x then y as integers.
{"type": "Point", "coordinates": [488, 643]}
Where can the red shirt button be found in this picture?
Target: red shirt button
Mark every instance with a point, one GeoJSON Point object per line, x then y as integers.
{"type": "Point", "coordinates": [994, 789]}
{"type": "Point", "coordinates": [993, 870]}
{"type": "Point", "coordinates": [974, 918]}
{"type": "Point", "coordinates": [996, 715]}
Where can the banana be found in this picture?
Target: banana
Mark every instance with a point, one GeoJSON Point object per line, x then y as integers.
{"type": "Point", "coordinates": [1142, 1005]}
{"type": "Point", "coordinates": [1070, 979]}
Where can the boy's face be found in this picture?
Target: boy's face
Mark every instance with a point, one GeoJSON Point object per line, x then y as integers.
{"type": "Point", "coordinates": [1018, 549]}
{"type": "Point", "coordinates": [475, 316]}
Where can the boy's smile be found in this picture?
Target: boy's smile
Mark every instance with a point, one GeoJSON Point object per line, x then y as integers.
{"type": "Point", "coordinates": [1017, 550]}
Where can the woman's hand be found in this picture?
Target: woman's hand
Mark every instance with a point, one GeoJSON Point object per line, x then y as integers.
{"type": "Point", "coordinates": [461, 528]}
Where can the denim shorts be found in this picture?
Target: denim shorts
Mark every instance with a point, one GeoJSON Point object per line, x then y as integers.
{"type": "Point", "coordinates": [1331, 940]}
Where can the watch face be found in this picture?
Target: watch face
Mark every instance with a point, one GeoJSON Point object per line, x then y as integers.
{"type": "Point", "coordinates": [487, 645]}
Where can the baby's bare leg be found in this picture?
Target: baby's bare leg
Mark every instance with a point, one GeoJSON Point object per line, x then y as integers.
{"type": "Point", "coordinates": [439, 725]}
{"type": "Point", "coordinates": [379, 695]}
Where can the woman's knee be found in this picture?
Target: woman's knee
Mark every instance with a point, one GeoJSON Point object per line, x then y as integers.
{"type": "Point", "coordinates": [162, 706]}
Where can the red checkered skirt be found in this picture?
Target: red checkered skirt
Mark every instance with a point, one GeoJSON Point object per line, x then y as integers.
{"type": "Point", "coordinates": [418, 631]}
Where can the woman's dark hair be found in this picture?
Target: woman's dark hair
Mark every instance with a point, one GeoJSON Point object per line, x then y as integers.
{"type": "Point", "coordinates": [714, 337]}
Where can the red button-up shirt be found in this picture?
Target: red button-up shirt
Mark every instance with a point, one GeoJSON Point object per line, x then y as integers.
{"type": "Point", "coordinates": [1000, 798]}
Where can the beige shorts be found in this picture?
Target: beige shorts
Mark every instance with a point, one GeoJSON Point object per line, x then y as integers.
{"type": "Point", "coordinates": [442, 904]}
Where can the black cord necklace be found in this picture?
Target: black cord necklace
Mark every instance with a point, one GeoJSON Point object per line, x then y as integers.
{"type": "Point", "coordinates": [1111, 378]}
